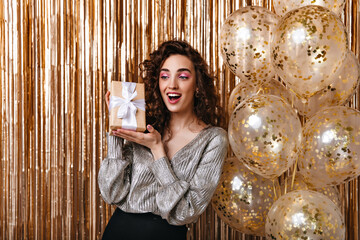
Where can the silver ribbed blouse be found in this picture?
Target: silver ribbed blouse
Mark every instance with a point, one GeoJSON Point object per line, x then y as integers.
{"type": "Point", "coordinates": [178, 190]}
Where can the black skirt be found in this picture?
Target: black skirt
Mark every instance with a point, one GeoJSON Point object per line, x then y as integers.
{"type": "Point", "coordinates": [137, 226]}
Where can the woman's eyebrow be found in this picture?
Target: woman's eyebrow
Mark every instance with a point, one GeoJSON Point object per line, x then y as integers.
{"type": "Point", "coordinates": [179, 70]}
{"type": "Point", "coordinates": [183, 69]}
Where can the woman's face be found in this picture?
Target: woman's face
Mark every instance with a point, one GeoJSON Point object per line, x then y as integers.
{"type": "Point", "coordinates": [177, 83]}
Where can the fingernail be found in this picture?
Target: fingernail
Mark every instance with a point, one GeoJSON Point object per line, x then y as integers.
{"type": "Point", "coordinates": [149, 127]}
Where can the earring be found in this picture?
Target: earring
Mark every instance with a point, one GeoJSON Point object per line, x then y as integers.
{"type": "Point", "coordinates": [197, 93]}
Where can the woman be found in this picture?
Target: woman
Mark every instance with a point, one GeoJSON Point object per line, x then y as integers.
{"type": "Point", "coordinates": [164, 179]}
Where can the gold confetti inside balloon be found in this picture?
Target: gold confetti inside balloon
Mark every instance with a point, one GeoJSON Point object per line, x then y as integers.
{"type": "Point", "coordinates": [245, 43]}
{"type": "Point", "coordinates": [265, 133]}
{"type": "Point", "coordinates": [244, 90]}
{"type": "Point", "coordinates": [275, 87]}
{"type": "Point", "coordinates": [241, 91]}
{"type": "Point", "coordinates": [282, 7]}
{"type": "Point", "coordinates": [337, 93]}
{"type": "Point", "coordinates": [299, 184]}
{"type": "Point", "coordinates": [309, 46]}
{"type": "Point", "coordinates": [331, 192]}
{"type": "Point", "coordinates": [331, 147]}
{"type": "Point", "coordinates": [304, 214]}
{"type": "Point", "coordinates": [243, 198]}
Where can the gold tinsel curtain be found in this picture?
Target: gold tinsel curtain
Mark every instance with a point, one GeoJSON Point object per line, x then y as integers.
{"type": "Point", "coordinates": [57, 58]}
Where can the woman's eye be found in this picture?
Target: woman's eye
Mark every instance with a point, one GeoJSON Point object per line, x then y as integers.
{"type": "Point", "coordinates": [164, 77]}
{"type": "Point", "coordinates": [183, 77]}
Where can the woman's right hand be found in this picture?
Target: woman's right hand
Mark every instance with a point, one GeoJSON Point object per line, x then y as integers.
{"type": "Point", "coordinates": [107, 99]}
{"type": "Point", "coordinates": [151, 140]}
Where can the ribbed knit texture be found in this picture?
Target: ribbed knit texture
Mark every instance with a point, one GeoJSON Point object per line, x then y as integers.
{"type": "Point", "coordinates": [178, 190]}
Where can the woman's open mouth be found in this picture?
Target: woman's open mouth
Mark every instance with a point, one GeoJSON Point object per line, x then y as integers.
{"type": "Point", "coordinates": [174, 97]}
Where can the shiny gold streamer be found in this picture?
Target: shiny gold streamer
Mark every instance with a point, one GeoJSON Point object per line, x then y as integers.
{"type": "Point", "coordinates": [57, 58]}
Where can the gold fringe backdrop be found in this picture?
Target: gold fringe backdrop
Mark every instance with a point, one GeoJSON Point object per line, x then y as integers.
{"type": "Point", "coordinates": [57, 58]}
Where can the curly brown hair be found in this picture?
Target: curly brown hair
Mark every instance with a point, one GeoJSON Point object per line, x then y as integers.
{"type": "Point", "coordinates": [206, 100]}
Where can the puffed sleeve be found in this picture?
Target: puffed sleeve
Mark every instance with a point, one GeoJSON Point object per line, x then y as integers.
{"type": "Point", "coordinates": [115, 170]}
{"type": "Point", "coordinates": [181, 202]}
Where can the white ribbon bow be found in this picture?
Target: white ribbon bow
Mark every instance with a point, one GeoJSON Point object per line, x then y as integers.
{"type": "Point", "coordinates": [127, 107]}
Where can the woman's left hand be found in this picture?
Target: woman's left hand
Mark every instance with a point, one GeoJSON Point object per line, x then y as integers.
{"type": "Point", "coordinates": [152, 140]}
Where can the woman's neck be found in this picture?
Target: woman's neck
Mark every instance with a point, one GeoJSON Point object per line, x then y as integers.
{"type": "Point", "coordinates": [188, 121]}
{"type": "Point", "coordinates": [180, 121]}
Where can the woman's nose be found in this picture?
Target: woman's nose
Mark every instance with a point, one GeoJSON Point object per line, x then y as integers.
{"type": "Point", "coordinates": [173, 83]}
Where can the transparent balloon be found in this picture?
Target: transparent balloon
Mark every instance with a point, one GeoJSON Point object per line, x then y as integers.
{"type": "Point", "coordinates": [299, 184]}
{"type": "Point", "coordinates": [304, 214]}
{"type": "Point", "coordinates": [282, 7]}
{"type": "Point", "coordinates": [265, 133]}
{"type": "Point", "coordinates": [338, 93]}
{"type": "Point", "coordinates": [309, 46]}
{"type": "Point", "coordinates": [244, 90]}
{"type": "Point", "coordinates": [241, 91]}
{"type": "Point", "coordinates": [245, 43]}
{"type": "Point", "coordinates": [331, 147]}
{"type": "Point", "coordinates": [243, 198]}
